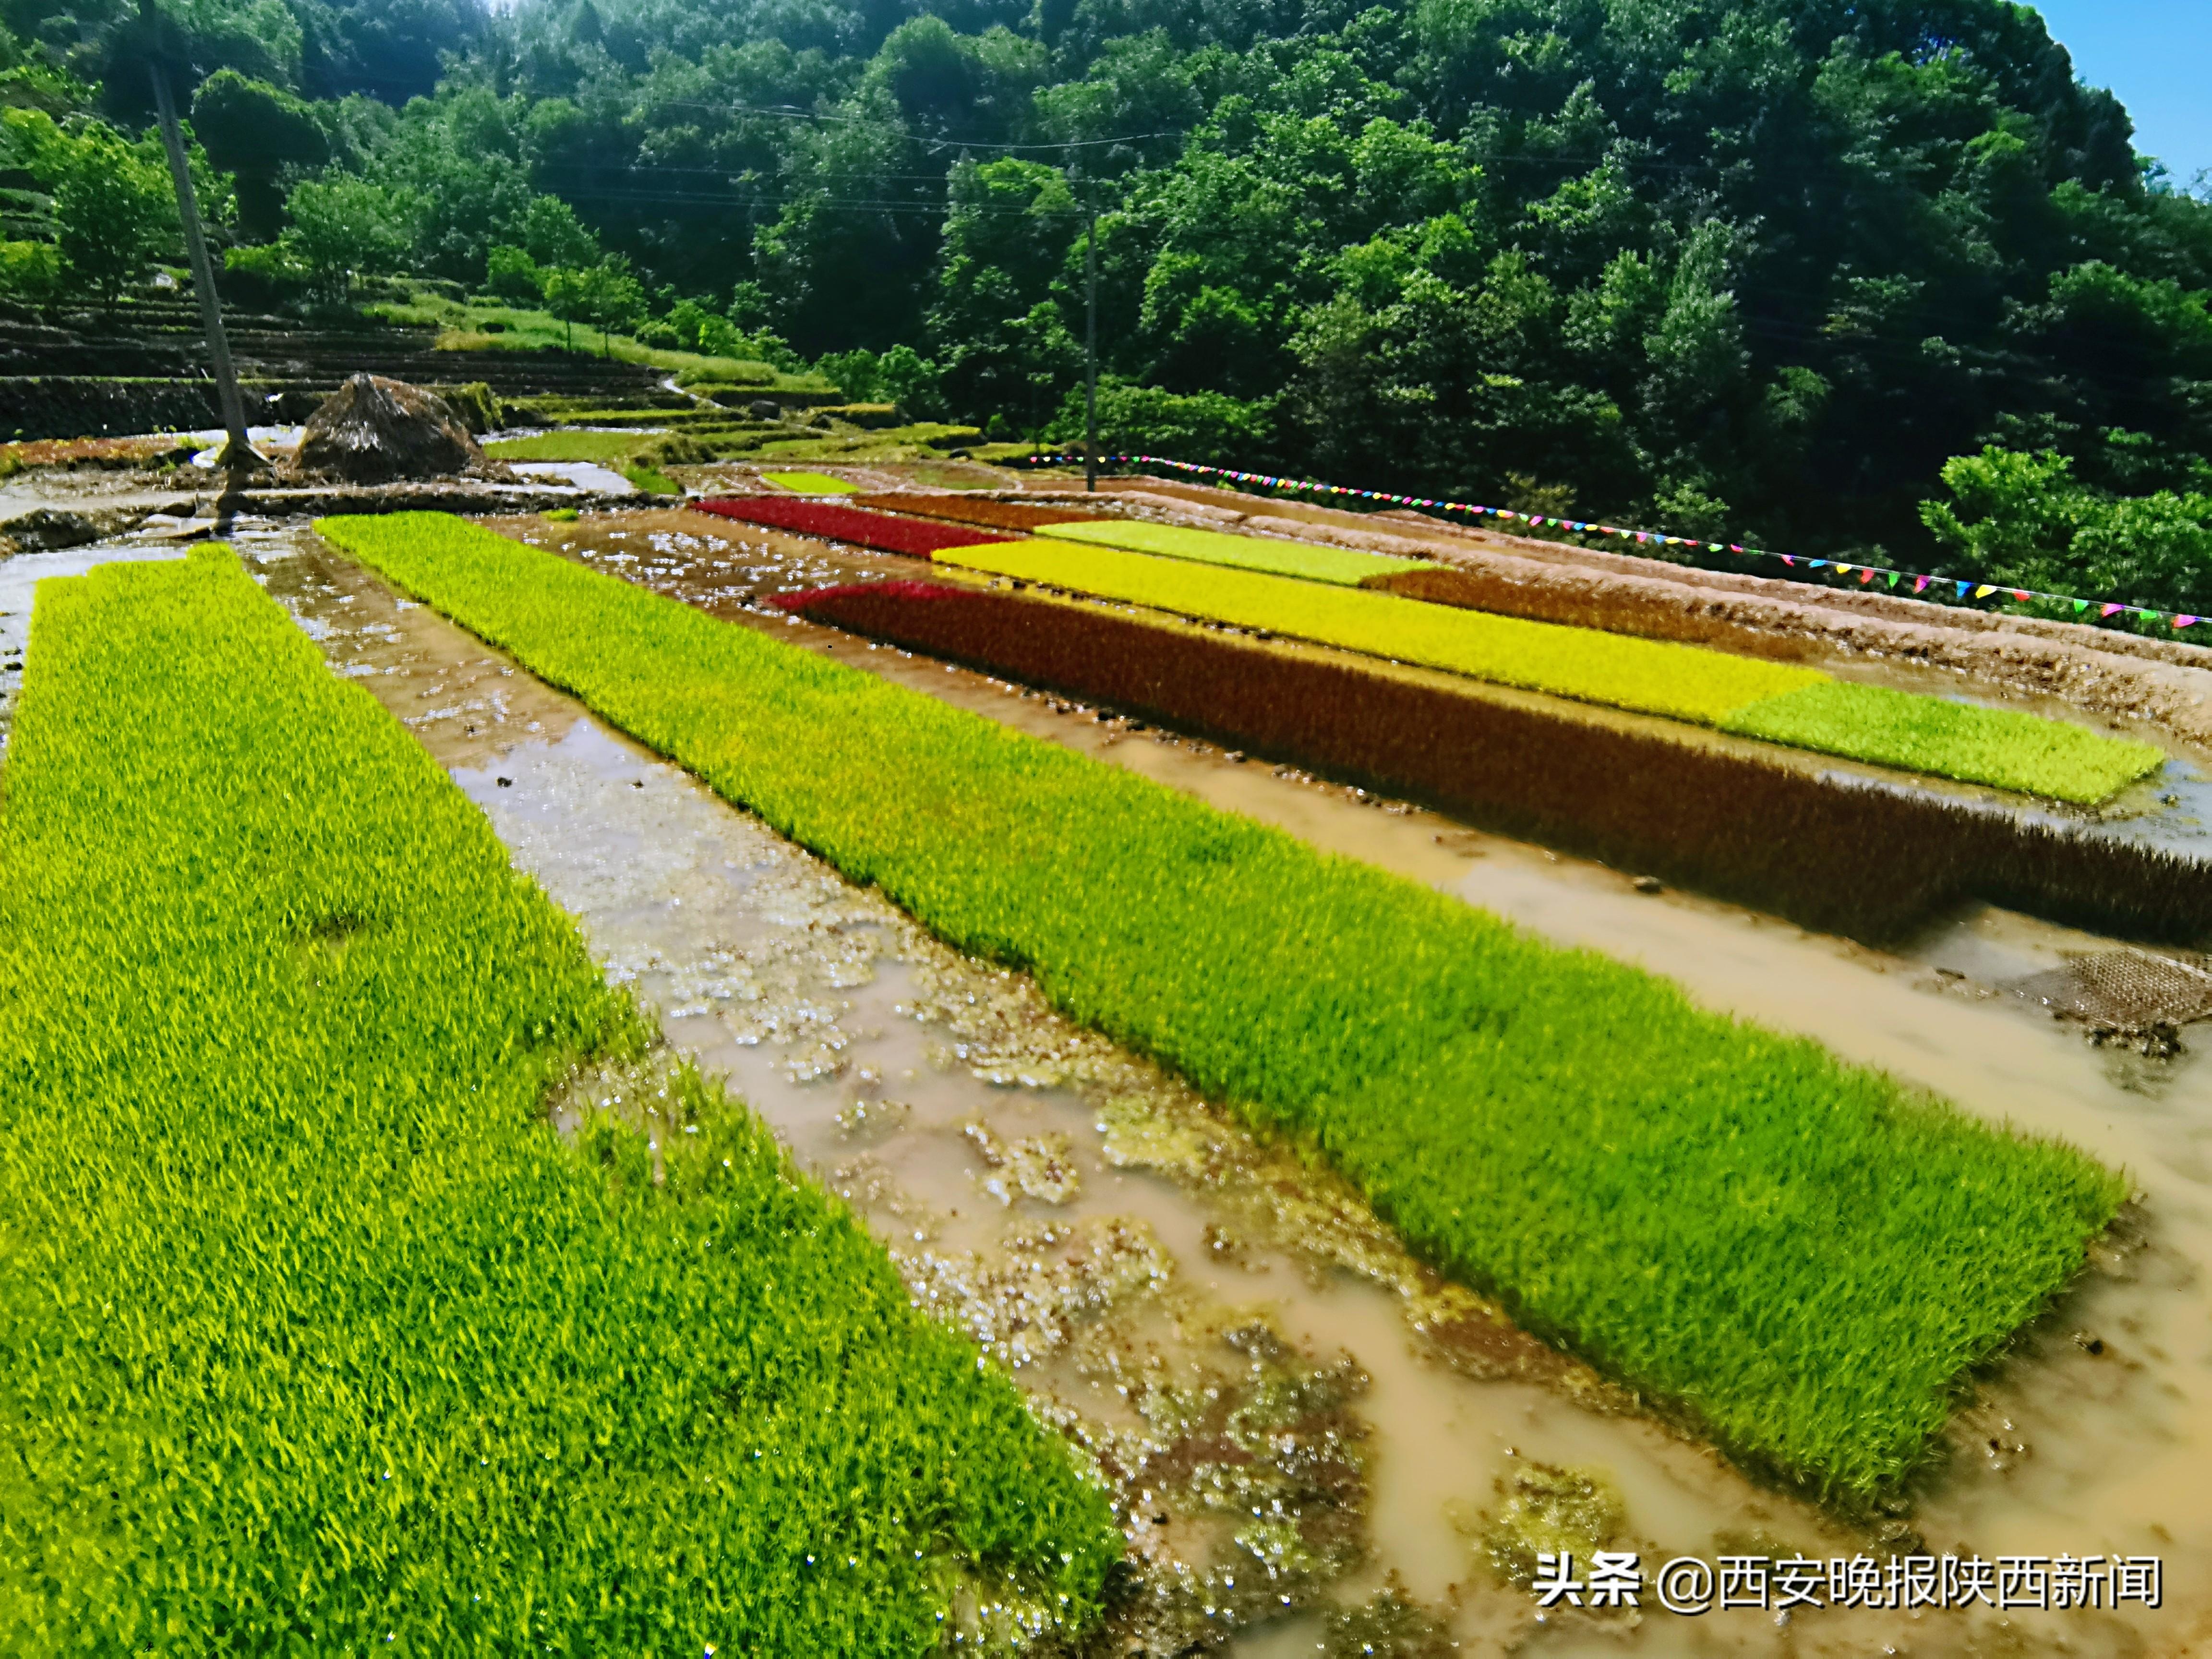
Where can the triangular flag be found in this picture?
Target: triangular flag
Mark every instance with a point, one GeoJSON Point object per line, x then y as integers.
{"type": "Point", "coordinates": [2182, 621]}
{"type": "Point", "coordinates": [1984, 591]}
{"type": "Point", "coordinates": [2020, 593]}
{"type": "Point", "coordinates": [1893, 579]}
{"type": "Point", "coordinates": [2110, 608]}
{"type": "Point", "coordinates": [1962, 590]}
{"type": "Point", "coordinates": [1865, 576]}
{"type": "Point", "coordinates": [2080, 605]}
{"type": "Point", "coordinates": [1817, 564]}
{"type": "Point", "coordinates": [1712, 547]}
{"type": "Point", "coordinates": [1841, 569]}
{"type": "Point", "coordinates": [1920, 584]}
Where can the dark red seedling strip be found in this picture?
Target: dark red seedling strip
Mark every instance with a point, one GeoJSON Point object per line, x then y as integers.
{"type": "Point", "coordinates": [997, 515]}
{"type": "Point", "coordinates": [1866, 861]}
{"type": "Point", "coordinates": [879, 531]}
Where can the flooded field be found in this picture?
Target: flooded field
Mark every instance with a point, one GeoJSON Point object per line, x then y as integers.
{"type": "Point", "coordinates": [1316, 1446]}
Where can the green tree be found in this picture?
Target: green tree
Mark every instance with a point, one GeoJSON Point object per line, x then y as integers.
{"type": "Point", "coordinates": [256, 132]}
{"type": "Point", "coordinates": [343, 227]}
{"type": "Point", "coordinates": [609, 297]}
{"type": "Point", "coordinates": [514, 275]}
{"type": "Point", "coordinates": [115, 208]}
{"type": "Point", "coordinates": [567, 296]}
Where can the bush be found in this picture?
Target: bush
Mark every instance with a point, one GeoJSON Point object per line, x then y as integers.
{"type": "Point", "coordinates": [1205, 427]}
{"type": "Point", "coordinates": [265, 276]}
{"type": "Point", "coordinates": [30, 271]}
{"type": "Point", "coordinates": [512, 275]}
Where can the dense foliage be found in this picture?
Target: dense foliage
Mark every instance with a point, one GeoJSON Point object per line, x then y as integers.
{"type": "Point", "coordinates": [1781, 702]}
{"type": "Point", "coordinates": [1758, 267]}
{"type": "Point", "coordinates": [1794, 1250]}
{"type": "Point", "coordinates": [314, 1335]}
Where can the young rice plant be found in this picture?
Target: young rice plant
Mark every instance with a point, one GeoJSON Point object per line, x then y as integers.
{"type": "Point", "coordinates": [1342, 567]}
{"type": "Point", "coordinates": [1797, 1254]}
{"type": "Point", "coordinates": [1800, 707]}
{"type": "Point", "coordinates": [314, 1336]}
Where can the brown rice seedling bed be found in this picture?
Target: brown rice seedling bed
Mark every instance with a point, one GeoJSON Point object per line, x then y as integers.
{"type": "Point", "coordinates": [992, 515]}
{"type": "Point", "coordinates": [1866, 861]}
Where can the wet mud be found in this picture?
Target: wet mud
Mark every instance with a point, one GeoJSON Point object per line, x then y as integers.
{"type": "Point", "coordinates": [1314, 1445]}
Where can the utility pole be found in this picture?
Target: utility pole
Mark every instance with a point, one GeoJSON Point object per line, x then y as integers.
{"type": "Point", "coordinates": [237, 454]}
{"type": "Point", "coordinates": [1091, 355]}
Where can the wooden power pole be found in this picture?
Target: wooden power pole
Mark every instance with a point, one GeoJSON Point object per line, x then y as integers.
{"type": "Point", "coordinates": [237, 454]}
{"type": "Point", "coordinates": [1090, 353]}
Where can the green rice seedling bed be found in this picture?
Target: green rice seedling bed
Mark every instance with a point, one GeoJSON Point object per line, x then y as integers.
{"type": "Point", "coordinates": [318, 1337]}
{"type": "Point", "coordinates": [811, 484]}
{"type": "Point", "coordinates": [1872, 864]}
{"type": "Point", "coordinates": [1341, 566]}
{"type": "Point", "coordinates": [1781, 703]}
{"type": "Point", "coordinates": [607, 448]}
{"type": "Point", "coordinates": [1798, 1255]}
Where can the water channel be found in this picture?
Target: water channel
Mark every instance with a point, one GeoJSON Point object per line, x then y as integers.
{"type": "Point", "coordinates": [1293, 1415]}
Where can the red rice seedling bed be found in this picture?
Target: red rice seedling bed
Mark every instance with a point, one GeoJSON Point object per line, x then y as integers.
{"type": "Point", "coordinates": [994, 515]}
{"type": "Point", "coordinates": [840, 523]}
{"type": "Point", "coordinates": [1867, 861]}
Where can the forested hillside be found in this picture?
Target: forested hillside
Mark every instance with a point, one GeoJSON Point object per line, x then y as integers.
{"type": "Point", "coordinates": [1765, 267]}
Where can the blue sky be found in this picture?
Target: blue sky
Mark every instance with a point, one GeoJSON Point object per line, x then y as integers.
{"type": "Point", "coordinates": [2157, 56]}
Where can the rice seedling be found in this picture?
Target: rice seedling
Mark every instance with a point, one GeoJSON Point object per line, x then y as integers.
{"type": "Point", "coordinates": [992, 515]}
{"type": "Point", "coordinates": [1798, 1256]}
{"type": "Point", "coordinates": [811, 484]}
{"type": "Point", "coordinates": [1999, 746]}
{"type": "Point", "coordinates": [1311, 562]}
{"type": "Point", "coordinates": [607, 448]}
{"type": "Point", "coordinates": [1779, 702]}
{"type": "Point", "coordinates": [836, 522]}
{"type": "Point", "coordinates": [1873, 864]}
{"type": "Point", "coordinates": [1647, 675]}
{"type": "Point", "coordinates": [317, 1336]}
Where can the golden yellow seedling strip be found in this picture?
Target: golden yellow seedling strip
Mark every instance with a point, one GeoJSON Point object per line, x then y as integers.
{"type": "Point", "coordinates": [1650, 675]}
{"type": "Point", "coordinates": [1800, 707]}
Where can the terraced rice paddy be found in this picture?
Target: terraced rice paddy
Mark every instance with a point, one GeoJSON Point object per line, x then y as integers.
{"type": "Point", "coordinates": [880, 531]}
{"type": "Point", "coordinates": [1822, 1256]}
{"type": "Point", "coordinates": [317, 1332]}
{"type": "Point", "coordinates": [1776, 701]}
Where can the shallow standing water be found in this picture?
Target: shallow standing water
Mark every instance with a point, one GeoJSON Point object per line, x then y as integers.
{"type": "Point", "coordinates": [1130, 1268]}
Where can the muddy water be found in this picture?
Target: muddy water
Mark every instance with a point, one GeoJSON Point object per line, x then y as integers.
{"type": "Point", "coordinates": [1250, 1357]}
{"type": "Point", "coordinates": [2084, 1446]}
{"type": "Point", "coordinates": [1282, 1403]}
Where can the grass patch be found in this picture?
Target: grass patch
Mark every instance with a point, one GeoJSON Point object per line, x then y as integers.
{"type": "Point", "coordinates": [651, 480]}
{"type": "Point", "coordinates": [317, 1336]}
{"type": "Point", "coordinates": [1872, 864]}
{"type": "Point", "coordinates": [811, 484]}
{"type": "Point", "coordinates": [1795, 1253]}
{"type": "Point", "coordinates": [2006, 750]}
{"type": "Point", "coordinates": [515, 328]}
{"type": "Point", "coordinates": [1999, 746]}
{"type": "Point", "coordinates": [607, 448]}
{"type": "Point", "coordinates": [1311, 563]}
